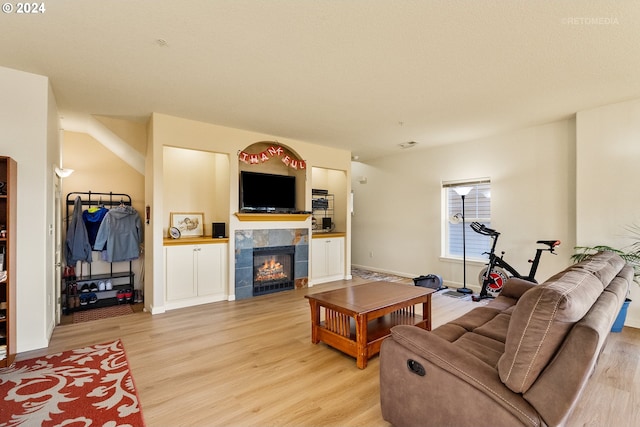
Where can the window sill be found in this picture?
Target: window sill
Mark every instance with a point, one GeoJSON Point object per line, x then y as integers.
{"type": "Point", "coordinates": [470, 261]}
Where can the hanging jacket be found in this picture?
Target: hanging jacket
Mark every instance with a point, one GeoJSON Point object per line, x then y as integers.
{"type": "Point", "coordinates": [92, 219]}
{"type": "Point", "coordinates": [77, 247]}
{"type": "Point", "coordinates": [121, 234]}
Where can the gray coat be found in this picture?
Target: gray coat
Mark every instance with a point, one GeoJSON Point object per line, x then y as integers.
{"type": "Point", "coordinates": [77, 243]}
{"type": "Point", "coordinates": [120, 234]}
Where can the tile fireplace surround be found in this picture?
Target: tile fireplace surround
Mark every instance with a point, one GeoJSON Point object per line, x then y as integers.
{"type": "Point", "coordinates": [247, 240]}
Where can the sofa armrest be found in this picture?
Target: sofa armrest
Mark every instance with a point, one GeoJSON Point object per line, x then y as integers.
{"type": "Point", "coordinates": [451, 375]}
{"type": "Point", "coordinates": [515, 288]}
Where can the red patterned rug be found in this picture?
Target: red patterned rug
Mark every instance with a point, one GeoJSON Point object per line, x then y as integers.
{"type": "Point", "coordinates": [91, 386]}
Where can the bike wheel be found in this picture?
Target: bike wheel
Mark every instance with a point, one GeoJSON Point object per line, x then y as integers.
{"type": "Point", "coordinates": [497, 279]}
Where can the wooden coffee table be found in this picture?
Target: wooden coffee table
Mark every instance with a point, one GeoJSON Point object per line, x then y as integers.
{"type": "Point", "coordinates": [358, 318]}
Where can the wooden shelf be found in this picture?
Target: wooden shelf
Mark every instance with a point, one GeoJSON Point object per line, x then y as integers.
{"type": "Point", "coordinates": [271, 216]}
{"type": "Point", "coordinates": [327, 234]}
{"type": "Point", "coordinates": [379, 328]}
{"type": "Point", "coordinates": [194, 241]}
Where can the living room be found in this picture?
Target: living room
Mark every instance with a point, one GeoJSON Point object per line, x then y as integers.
{"type": "Point", "coordinates": [563, 177]}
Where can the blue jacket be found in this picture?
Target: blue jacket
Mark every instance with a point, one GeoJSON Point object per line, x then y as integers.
{"type": "Point", "coordinates": [121, 233]}
{"type": "Point", "coordinates": [77, 247]}
{"type": "Point", "coordinates": [92, 220]}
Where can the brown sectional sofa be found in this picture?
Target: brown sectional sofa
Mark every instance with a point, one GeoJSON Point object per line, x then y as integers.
{"type": "Point", "coordinates": [523, 359]}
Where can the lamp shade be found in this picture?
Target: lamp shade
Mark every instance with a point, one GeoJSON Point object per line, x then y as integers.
{"type": "Point", "coordinates": [462, 191]}
{"type": "Point", "coordinates": [63, 173]}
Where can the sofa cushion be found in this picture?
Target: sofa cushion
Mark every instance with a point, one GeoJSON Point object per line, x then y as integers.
{"type": "Point", "coordinates": [449, 332]}
{"type": "Point", "coordinates": [475, 318]}
{"type": "Point", "coordinates": [486, 342]}
{"type": "Point", "coordinates": [541, 320]}
{"type": "Point", "coordinates": [496, 328]}
{"type": "Point", "coordinates": [484, 348]}
{"type": "Point", "coordinates": [514, 288]}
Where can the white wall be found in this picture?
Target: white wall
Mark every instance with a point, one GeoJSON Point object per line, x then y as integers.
{"type": "Point", "coordinates": [608, 173]}
{"type": "Point", "coordinates": [397, 212]}
{"type": "Point", "coordinates": [29, 124]}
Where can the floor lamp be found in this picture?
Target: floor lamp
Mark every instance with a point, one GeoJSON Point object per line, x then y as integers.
{"type": "Point", "coordinates": [462, 192]}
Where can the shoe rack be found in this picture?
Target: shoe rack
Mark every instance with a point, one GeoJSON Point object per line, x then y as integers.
{"type": "Point", "coordinates": [97, 290]}
{"type": "Point", "coordinates": [87, 290]}
{"type": "Point", "coordinates": [8, 218]}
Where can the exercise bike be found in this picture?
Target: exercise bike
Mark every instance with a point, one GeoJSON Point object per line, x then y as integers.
{"type": "Point", "coordinates": [493, 276]}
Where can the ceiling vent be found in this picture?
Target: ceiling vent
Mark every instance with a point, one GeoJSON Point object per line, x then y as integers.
{"type": "Point", "coordinates": [408, 144]}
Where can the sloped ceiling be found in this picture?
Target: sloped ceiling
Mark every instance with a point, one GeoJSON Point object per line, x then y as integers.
{"type": "Point", "coordinates": [364, 75]}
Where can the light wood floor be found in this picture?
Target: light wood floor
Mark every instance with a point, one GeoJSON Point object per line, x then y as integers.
{"type": "Point", "coordinates": [252, 363]}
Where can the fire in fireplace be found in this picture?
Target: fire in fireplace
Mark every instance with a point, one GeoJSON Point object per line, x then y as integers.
{"type": "Point", "coordinates": [273, 269]}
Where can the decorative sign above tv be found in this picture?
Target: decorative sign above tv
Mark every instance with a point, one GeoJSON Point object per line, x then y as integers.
{"type": "Point", "coordinates": [268, 154]}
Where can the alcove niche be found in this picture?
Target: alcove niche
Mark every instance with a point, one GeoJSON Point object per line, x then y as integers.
{"type": "Point", "coordinates": [195, 181]}
{"type": "Point", "coordinates": [278, 159]}
{"type": "Point", "coordinates": [334, 182]}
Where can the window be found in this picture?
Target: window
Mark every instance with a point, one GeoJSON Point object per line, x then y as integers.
{"type": "Point", "coordinates": [477, 207]}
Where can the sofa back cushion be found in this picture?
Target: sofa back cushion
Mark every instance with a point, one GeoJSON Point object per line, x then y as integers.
{"type": "Point", "coordinates": [541, 320]}
{"type": "Point", "coordinates": [604, 265]}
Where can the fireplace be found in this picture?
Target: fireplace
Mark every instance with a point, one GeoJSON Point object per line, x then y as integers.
{"type": "Point", "coordinates": [273, 269]}
{"type": "Point", "coordinates": [258, 242]}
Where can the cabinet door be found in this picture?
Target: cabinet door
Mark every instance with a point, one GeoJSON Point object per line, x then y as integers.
{"type": "Point", "coordinates": [211, 268]}
{"type": "Point", "coordinates": [318, 258]}
{"type": "Point", "coordinates": [327, 259]}
{"type": "Point", "coordinates": [335, 257]}
{"type": "Point", "coordinates": [180, 272]}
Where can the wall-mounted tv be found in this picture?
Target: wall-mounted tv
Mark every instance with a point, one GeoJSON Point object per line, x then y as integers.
{"type": "Point", "coordinates": [264, 192]}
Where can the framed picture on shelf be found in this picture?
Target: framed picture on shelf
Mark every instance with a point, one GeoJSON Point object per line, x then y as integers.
{"type": "Point", "coordinates": [190, 224]}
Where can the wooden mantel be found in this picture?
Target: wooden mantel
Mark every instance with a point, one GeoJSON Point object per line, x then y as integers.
{"type": "Point", "coordinates": [271, 216]}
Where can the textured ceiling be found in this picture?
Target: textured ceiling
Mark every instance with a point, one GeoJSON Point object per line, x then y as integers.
{"type": "Point", "coordinates": [364, 75]}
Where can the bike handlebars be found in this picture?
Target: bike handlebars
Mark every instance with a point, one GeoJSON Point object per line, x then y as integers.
{"type": "Point", "coordinates": [482, 229]}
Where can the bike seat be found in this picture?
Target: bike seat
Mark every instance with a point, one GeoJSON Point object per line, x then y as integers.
{"type": "Point", "coordinates": [550, 243]}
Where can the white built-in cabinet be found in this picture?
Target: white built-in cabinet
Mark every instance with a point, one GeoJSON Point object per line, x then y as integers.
{"type": "Point", "coordinates": [327, 258]}
{"type": "Point", "coordinates": [195, 273]}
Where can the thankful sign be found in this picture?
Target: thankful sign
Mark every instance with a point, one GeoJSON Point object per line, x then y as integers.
{"type": "Point", "coordinates": [270, 153]}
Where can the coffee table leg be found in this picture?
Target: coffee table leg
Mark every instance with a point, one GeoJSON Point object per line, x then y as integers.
{"type": "Point", "coordinates": [361, 341]}
{"type": "Point", "coordinates": [426, 312]}
{"type": "Point", "coordinates": [315, 320]}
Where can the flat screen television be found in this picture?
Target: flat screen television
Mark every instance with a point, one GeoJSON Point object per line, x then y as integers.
{"type": "Point", "coordinates": [264, 192]}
